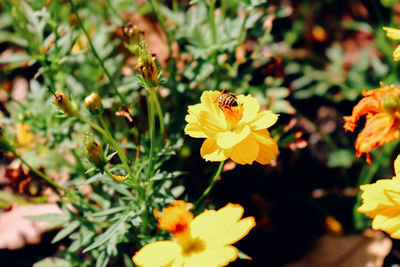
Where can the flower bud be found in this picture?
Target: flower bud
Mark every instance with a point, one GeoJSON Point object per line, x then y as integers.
{"type": "Point", "coordinates": [94, 151]}
{"type": "Point", "coordinates": [147, 67]}
{"type": "Point", "coordinates": [5, 144]}
{"type": "Point", "coordinates": [132, 33]}
{"type": "Point", "coordinates": [62, 102]}
{"type": "Point", "coordinates": [93, 104]}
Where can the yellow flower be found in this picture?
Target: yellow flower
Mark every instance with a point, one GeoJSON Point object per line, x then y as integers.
{"type": "Point", "coordinates": [381, 201]}
{"type": "Point", "coordinates": [395, 35]}
{"type": "Point", "coordinates": [203, 241]}
{"type": "Point", "coordinates": [239, 132]}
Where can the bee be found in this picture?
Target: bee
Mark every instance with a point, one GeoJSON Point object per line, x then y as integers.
{"type": "Point", "coordinates": [226, 100]}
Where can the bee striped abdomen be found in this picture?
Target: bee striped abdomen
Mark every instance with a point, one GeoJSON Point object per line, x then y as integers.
{"type": "Point", "coordinates": [227, 101]}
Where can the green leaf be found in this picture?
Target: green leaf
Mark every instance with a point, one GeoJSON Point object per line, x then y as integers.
{"type": "Point", "coordinates": [103, 238]}
{"type": "Point", "coordinates": [48, 217]}
{"type": "Point", "coordinates": [66, 231]}
{"type": "Point", "coordinates": [53, 262]}
{"type": "Point", "coordinates": [102, 259]}
{"type": "Point", "coordinates": [108, 212]}
{"type": "Point", "coordinates": [243, 256]}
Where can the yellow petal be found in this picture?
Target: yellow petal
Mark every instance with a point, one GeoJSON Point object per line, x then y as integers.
{"type": "Point", "coordinates": [250, 107]}
{"type": "Point", "coordinates": [194, 130]}
{"type": "Point", "coordinates": [202, 223]}
{"type": "Point", "coordinates": [392, 33]}
{"type": "Point", "coordinates": [267, 147]}
{"type": "Point", "coordinates": [397, 166]}
{"type": "Point", "coordinates": [396, 54]}
{"type": "Point", "coordinates": [233, 233]}
{"type": "Point", "coordinates": [246, 151]}
{"type": "Point", "coordinates": [194, 112]}
{"type": "Point", "coordinates": [264, 120]}
{"type": "Point", "coordinates": [214, 257]}
{"type": "Point", "coordinates": [210, 124]}
{"type": "Point", "coordinates": [157, 254]}
{"type": "Point", "coordinates": [211, 152]}
{"type": "Point", "coordinates": [209, 223]}
{"type": "Point", "coordinates": [209, 102]}
{"type": "Point", "coordinates": [228, 139]}
{"type": "Point", "coordinates": [389, 223]}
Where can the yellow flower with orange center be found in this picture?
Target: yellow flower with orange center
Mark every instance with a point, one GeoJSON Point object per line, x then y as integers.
{"type": "Point", "coordinates": [201, 241]}
{"type": "Point", "coordinates": [382, 108]}
{"type": "Point", "coordinates": [395, 35]}
{"type": "Point", "coordinates": [238, 132]}
{"type": "Point", "coordinates": [381, 201]}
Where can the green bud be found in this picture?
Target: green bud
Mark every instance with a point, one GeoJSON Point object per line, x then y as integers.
{"type": "Point", "coordinates": [94, 151]}
{"type": "Point", "coordinates": [93, 104]}
{"type": "Point", "coordinates": [63, 103]}
{"type": "Point", "coordinates": [147, 67]}
{"type": "Point", "coordinates": [5, 144]}
{"type": "Point", "coordinates": [132, 33]}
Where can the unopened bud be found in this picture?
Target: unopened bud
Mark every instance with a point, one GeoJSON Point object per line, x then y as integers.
{"type": "Point", "coordinates": [5, 144]}
{"type": "Point", "coordinates": [62, 102]}
{"type": "Point", "coordinates": [147, 67]}
{"type": "Point", "coordinates": [132, 33]}
{"type": "Point", "coordinates": [93, 104]}
{"type": "Point", "coordinates": [94, 151]}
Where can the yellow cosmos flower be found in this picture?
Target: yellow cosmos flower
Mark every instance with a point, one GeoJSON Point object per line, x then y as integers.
{"type": "Point", "coordinates": [239, 133]}
{"type": "Point", "coordinates": [203, 241]}
{"type": "Point", "coordinates": [395, 35]}
{"type": "Point", "coordinates": [381, 201]}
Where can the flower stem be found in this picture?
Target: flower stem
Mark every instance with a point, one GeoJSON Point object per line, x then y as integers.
{"type": "Point", "coordinates": [110, 139]}
{"type": "Point", "coordinates": [54, 185]}
{"type": "Point", "coordinates": [151, 118]}
{"type": "Point", "coordinates": [95, 52]}
{"type": "Point", "coordinates": [160, 116]}
{"type": "Point", "coordinates": [208, 189]}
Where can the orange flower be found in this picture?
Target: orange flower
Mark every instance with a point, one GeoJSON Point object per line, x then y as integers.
{"type": "Point", "coordinates": [382, 108]}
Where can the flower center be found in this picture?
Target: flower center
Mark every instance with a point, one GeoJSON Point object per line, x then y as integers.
{"type": "Point", "coordinates": [233, 115]}
{"type": "Point", "coordinates": [175, 218]}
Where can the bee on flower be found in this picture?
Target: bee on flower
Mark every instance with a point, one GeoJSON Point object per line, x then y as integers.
{"type": "Point", "coordinates": [382, 108]}
{"type": "Point", "coordinates": [234, 127]}
{"type": "Point", "coordinates": [205, 240]}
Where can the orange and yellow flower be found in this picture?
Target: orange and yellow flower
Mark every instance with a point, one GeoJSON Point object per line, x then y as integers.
{"type": "Point", "coordinates": [201, 241]}
{"type": "Point", "coordinates": [382, 108]}
{"type": "Point", "coordinates": [395, 35]}
{"type": "Point", "coordinates": [381, 201]}
{"type": "Point", "coordinates": [239, 133]}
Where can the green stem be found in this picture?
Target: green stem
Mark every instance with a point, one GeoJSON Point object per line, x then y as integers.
{"type": "Point", "coordinates": [151, 118]}
{"type": "Point", "coordinates": [110, 139]}
{"type": "Point", "coordinates": [160, 116]}
{"type": "Point", "coordinates": [208, 189]}
{"type": "Point", "coordinates": [95, 52]}
{"type": "Point", "coordinates": [54, 185]}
